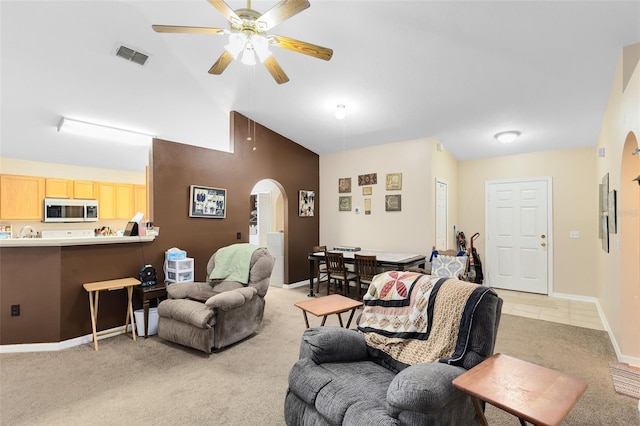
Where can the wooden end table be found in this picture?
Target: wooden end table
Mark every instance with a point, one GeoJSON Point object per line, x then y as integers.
{"type": "Point", "coordinates": [147, 293]}
{"type": "Point", "coordinates": [329, 305]}
{"type": "Point", "coordinates": [94, 288]}
{"type": "Point", "coordinates": [532, 393]}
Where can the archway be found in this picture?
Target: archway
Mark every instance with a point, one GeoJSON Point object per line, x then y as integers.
{"type": "Point", "coordinates": [267, 223]}
{"type": "Point", "coordinates": [629, 230]}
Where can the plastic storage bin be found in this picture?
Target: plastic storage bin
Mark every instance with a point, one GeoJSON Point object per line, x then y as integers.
{"type": "Point", "coordinates": [153, 321]}
{"type": "Point", "coordinates": [179, 271]}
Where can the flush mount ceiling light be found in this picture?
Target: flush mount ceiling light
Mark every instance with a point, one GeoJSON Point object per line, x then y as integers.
{"type": "Point", "coordinates": [508, 136]}
{"type": "Point", "coordinates": [103, 132]}
{"type": "Point", "coordinates": [341, 112]}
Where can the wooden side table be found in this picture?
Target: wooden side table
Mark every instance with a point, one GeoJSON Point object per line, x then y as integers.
{"type": "Point", "coordinates": [94, 292]}
{"type": "Point", "coordinates": [328, 305]}
{"type": "Point", "coordinates": [147, 293]}
{"type": "Point", "coordinates": [532, 393]}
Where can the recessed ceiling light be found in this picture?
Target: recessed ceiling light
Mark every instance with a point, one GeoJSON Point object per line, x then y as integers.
{"type": "Point", "coordinates": [508, 136]}
{"type": "Point", "coordinates": [341, 112]}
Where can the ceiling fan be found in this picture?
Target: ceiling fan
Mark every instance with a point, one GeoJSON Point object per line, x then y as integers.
{"type": "Point", "coordinates": [248, 35]}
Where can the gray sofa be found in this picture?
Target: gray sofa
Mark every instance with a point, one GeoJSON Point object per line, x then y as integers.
{"type": "Point", "coordinates": [340, 379]}
{"type": "Point", "coordinates": [217, 313]}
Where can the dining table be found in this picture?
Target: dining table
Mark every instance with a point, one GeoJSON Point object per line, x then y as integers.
{"type": "Point", "coordinates": [387, 260]}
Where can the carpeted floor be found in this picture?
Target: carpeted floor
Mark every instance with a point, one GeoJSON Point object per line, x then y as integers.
{"type": "Point", "coordinates": [152, 382]}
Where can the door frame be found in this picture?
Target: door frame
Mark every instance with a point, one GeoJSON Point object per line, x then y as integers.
{"type": "Point", "coordinates": [446, 216]}
{"type": "Point", "coordinates": [550, 238]}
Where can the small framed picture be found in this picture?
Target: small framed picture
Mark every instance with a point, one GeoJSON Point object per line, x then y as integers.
{"type": "Point", "coordinates": [394, 181]}
{"type": "Point", "coordinates": [367, 190]}
{"type": "Point", "coordinates": [344, 203]}
{"type": "Point", "coordinates": [306, 203]}
{"type": "Point", "coordinates": [393, 203]}
{"type": "Point", "coordinates": [367, 206]}
{"type": "Point", "coordinates": [344, 185]}
{"type": "Point", "coordinates": [207, 202]}
{"type": "Point", "coordinates": [368, 179]}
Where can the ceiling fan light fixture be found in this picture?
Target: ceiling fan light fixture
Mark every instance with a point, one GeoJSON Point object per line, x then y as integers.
{"type": "Point", "coordinates": [261, 47]}
{"type": "Point", "coordinates": [508, 136]}
{"type": "Point", "coordinates": [341, 112]}
{"type": "Point", "coordinates": [237, 42]}
{"type": "Point", "coordinates": [248, 56]}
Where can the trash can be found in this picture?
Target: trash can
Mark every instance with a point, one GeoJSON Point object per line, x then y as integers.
{"type": "Point", "coordinates": [153, 321]}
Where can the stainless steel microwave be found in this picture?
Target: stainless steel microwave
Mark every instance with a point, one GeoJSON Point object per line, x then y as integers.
{"type": "Point", "coordinates": [65, 210]}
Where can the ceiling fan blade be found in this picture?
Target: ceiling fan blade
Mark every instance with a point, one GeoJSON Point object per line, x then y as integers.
{"type": "Point", "coordinates": [302, 47]}
{"type": "Point", "coordinates": [280, 12]}
{"type": "Point", "coordinates": [221, 64]}
{"type": "Point", "coordinates": [275, 70]}
{"type": "Point", "coordinates": [191, 30]}
{"type": "Point", "coordinates": [227, 12]}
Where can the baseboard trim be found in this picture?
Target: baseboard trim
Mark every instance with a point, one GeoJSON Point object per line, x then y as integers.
{"type": "Point", "coordinates": [65, 344]}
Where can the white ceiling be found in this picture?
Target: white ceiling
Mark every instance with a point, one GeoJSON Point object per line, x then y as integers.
{"type": "Point", "coordinates": [458, 71]}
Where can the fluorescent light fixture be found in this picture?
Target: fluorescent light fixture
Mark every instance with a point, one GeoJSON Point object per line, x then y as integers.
{"type": "Point", "coordinates": [341, 112]}
{"type": "Point", "coordinates": [103, 132]}
{"type": "Point", "coordinates": [508, 136]}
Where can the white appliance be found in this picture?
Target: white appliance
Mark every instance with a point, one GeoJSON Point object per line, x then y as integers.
{"type": "Point", "coordinates": [66, 210]}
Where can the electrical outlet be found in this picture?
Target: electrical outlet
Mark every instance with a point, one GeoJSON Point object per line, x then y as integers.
{"type": "Point", "coordinates": [15, 310]}
{"type": "Point", "coordinates": [238, 235]}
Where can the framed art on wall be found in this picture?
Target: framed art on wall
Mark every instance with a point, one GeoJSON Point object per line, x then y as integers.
{"type": "Point", "coordinates": [344, 185]}
{"type": "Point", "coordinates": [306, 203]}
{"type": "Point", "coordinates": [394, 181]}
{"type": "Point", "coordinates": [393, 203]}
{"type": "Point", "coordinates": [612, 215]}
{"type": "Point", "coordinates": [367, 190]}
{"type": "Point", "coordinates": [207, 202]}
{"type": "Point", "coordinates": [344, 203]}
{"type": "Point", "coordinates": [368, 179]}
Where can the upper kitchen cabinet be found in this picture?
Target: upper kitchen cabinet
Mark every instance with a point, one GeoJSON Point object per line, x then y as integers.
{"type": "Point", "coordinates": [85, 189]}
{"type": "Point", "coordinates": [140, 200]}
{"type": "Point", "coordinates": [124, 201]}
{"type": "Point", "coordinates": [107, 199]}
{"type": "Point", "coordinates": [58, 188]}
{"type": "Point", "coordinates": [21, 197]}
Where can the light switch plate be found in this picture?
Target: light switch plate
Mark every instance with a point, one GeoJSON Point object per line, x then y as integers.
{"type": "Point", "coordinates": [574, 234]}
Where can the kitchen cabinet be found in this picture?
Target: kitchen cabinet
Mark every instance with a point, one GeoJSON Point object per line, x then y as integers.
{"type": "Point", "coordinates": [85, 189]}
{"type": "Point", "coordinates": [140, 200]}
{"type": "Point", "coordinates": [21, 197]}
{"type": "Point", "coordinates": [107, 200]}
{"type": "Point", "coordinates": [124, 201]}
{"type": "Point", "coordinates": [58, 188]}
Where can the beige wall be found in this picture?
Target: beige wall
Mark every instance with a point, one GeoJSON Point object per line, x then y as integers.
{"type": "Point", "coordinates": [617, 272]}
{"type": "Point", "coordinates": [410, 230]}
{"type": "Point", "coordinates": [574, 203]}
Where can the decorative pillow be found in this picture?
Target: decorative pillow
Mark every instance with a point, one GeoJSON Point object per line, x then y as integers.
{"type": "Point", "coordinates": [448, 266]}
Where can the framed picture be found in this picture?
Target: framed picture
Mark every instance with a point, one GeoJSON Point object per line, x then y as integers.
{"type": "Point", "coordinates": [344, 185]}
{"type": "Point", "coordinates": [344, 203]}
{"type": "Point", "coordinates": [394, 181]}
{"type": "Point", "coordinates": [604, 212]}
{"type": "Point", "coordinates": [613, 225]}
{"type": "Point", "coordinates": [393, 203]}
{"type": "Point", "coordinates": [368, 179]}
{"type": "Point", "coordinates": [306, 203]}
{"type": "Point", "coordinates": [367, 206]}
{"type": "Point", "coordinates": [367, 190]}
{"type": "Point", "coordinates": [207, 202]}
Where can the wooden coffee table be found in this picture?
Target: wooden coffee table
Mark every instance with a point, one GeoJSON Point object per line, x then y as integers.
{"type": "Point", "coordinates": [328, 305]}
{"type": "Point", "coordinates": [532, 393]}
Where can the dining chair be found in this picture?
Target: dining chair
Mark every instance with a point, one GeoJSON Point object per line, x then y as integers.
{"type": "Point", "coordinates": [366, 267]}
{"type": "Point", "coordinates": [321, 267]}
{"type": "Point", "coordinates": [338, 272]}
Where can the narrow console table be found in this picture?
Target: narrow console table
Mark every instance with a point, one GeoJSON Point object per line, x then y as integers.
{"type": "Point", "coordinates": [94, 289]}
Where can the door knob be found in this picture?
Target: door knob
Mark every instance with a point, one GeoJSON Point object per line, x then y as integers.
{"type": "Point", "coordinates": [543, 236]}
{"type": "Point", "coordinates": [543, 244]}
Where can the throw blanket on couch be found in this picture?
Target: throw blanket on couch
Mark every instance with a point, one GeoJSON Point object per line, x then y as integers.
{"type": "Point", "coordinates": [233, 263]}
{"type": "Point", "coordinates": [411, 318]}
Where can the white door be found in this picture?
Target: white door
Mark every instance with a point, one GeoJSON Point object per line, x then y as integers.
{"type": "Point", "coordinates": [441, 215]}
{"type": "Point", "coordinates": [518, 240]}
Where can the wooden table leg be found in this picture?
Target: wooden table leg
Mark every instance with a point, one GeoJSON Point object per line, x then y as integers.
{"type": "Point", "coordinates": [145, 307]}
{"type": "Point", "coordinates": [340, 319]}
{"type": "Point", "coordinates": [353, 311]}
{"type": "Point", "coordinates": [312, 274]}
{"type": "Point", "coordinates": [94, 313]}
{"type": "Point", "coordinates": [130, 313]}
{"type": "Point", "coordinates": [479, 413]}
{"type": "Point", "coordinates": [306, 320]}
{"type": "Point", "coordinates": [324, 319]}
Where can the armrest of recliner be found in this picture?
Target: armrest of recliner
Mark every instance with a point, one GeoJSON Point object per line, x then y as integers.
{"type": "Point", "coordinates": [183, 290]}
{"type": "Point", "coordinates": [333, 344]}
{"type": "Point", "coordinates": [231, 299]}
{"type": "Point", "coordinates": [424, 387]}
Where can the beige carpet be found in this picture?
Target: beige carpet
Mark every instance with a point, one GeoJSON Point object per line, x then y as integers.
{"type": "Point", "coordinates": [152, 382]}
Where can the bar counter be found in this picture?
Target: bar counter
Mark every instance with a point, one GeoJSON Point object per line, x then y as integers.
{"type": "Point", "coordinates": [44, 276]}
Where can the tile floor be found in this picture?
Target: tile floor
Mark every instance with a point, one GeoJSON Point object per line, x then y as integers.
{"type": "Point", "coordinates": [538, 306]}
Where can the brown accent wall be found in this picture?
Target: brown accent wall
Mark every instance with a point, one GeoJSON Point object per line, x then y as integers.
{"type": "Point", "coordinates": [175, 166]}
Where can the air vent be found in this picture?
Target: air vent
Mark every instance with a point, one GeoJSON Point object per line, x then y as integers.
{"type": "Point", "coordinates": [131, 55]}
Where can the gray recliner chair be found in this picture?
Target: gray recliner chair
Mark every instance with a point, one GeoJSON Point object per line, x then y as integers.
{"type": "Point", "coordinates": [217, 313]}
{"type": "Point", "coordinates": [344, 378]}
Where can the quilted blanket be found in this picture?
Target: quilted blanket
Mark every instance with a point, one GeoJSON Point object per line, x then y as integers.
{"type": "Point", "coordinates": [410, 318]}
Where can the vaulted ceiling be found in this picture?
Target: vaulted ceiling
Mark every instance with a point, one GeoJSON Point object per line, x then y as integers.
{"type": "Point", "coordinates": [457, 71]}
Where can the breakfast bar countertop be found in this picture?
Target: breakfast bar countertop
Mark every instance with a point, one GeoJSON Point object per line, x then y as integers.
{"type": "Point", "coordinates": [58, 242]}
